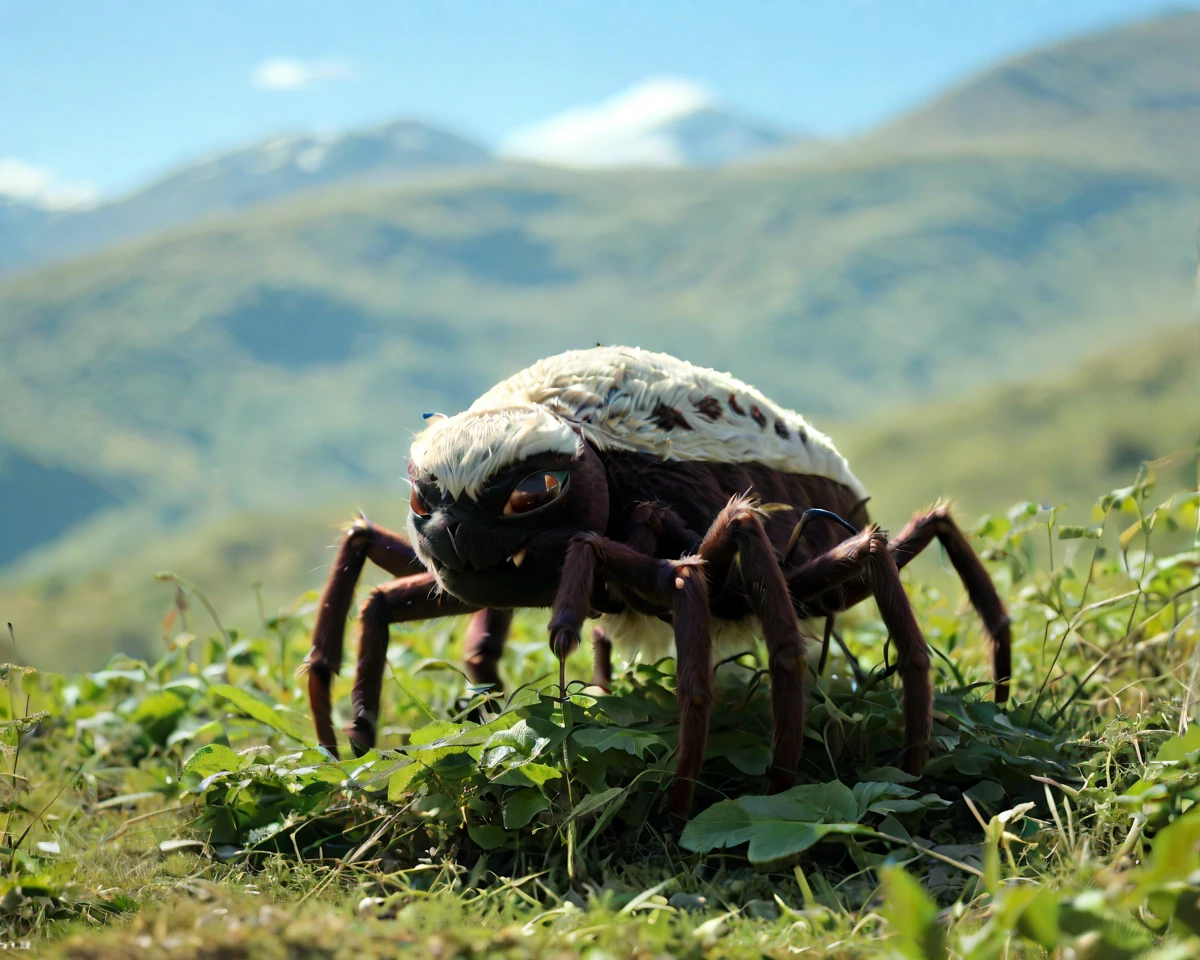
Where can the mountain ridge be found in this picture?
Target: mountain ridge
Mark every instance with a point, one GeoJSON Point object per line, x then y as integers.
{"type": "Point", "coordinates": [227, 181]}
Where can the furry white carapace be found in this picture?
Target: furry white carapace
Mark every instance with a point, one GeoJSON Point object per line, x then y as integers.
{"type": "Point", "coordinates": [613, 398]}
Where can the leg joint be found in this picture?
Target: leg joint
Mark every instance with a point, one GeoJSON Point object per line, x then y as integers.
{"type": "Point", "coordinates": [695, 697]}
{"type": "Point", "coordinates": [319, 667]}
{"type": "Point", "coordinates": [375, 606]}
{"type": "Point", "coordinates": [788, 659]}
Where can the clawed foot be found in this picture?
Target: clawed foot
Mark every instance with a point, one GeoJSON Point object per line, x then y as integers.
{"type": "Point", "coordinates": [564, 641]}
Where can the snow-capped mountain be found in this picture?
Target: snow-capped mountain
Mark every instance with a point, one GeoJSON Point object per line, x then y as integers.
{"type": "Point", "coordinates": [661, 122]}
{"type": "Point", "coordinates": [287, 164]}
{"type": "Point", "coordinates": [229, 181]}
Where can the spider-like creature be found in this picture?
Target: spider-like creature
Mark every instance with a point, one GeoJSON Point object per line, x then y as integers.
{"type": "Point", "coordinates": [678, 503]}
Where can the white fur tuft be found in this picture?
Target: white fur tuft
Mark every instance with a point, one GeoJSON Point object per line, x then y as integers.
{"type": "Point", "coordinates": [609, 396]}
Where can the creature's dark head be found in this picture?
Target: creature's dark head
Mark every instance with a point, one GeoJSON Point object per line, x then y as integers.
{"type": "Point", "coordinates": [505, 546]}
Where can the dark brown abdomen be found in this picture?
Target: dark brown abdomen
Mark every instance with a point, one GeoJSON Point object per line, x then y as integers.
{"type": "Point", "coordinates": [697, 490]}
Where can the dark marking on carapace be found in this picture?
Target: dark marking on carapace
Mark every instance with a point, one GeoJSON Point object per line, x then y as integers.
{"type": "Point", "coordinates": [758, 416]}
{"type": "Point", "coordinates": [710, 407]}
{"type": "Point", "coordinates": [733, 405]}
{"type": "Point", "coordinates": [669, 418]}
{"type": "Point", "coordinates": [781, 429]}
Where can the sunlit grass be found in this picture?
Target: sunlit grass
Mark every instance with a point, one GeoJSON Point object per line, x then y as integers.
{"type": "Point", "coordinates": [149, 815]}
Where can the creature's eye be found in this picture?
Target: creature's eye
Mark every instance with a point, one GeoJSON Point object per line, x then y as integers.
{"type": "Point", "coordinates": [537, 490]}
{"type": "Point", "coordinates": [419, 507]}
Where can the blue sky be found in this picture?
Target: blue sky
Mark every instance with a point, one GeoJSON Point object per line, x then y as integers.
{"type": "Point", "coordinates": [110, 92]}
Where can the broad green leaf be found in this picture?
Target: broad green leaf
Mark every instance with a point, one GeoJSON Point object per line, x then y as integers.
{"type": "Point", "coordinates": [886, 775]}
{"type": "Point", "coordinates": [892, 827]}
{"type": "Point", "coordinates": [400, 781]}
{"type": "Point", "coordinates": [1038, 921]}
{"type": "Point", "coordinates": [912, 915]}
{"type": "Point", "coordinates": [623, 711]}
{"type": "Point", "coordinates": [213, 758]}
{"type": "Point", "coordinates": [1176, 850]}
{"type": "Point", "coordinates": [434, 732]}
{"type": "Point", "coordinates": [453, 765]}
{"type": "Point", "coordinates": [596, 802]}
{"type": "Point", "coordinates": [635, 742]}
{"type": "Point", "coordinates": [185, 732]}
{"type": "Point", "coordinates": [526, 739]}
{"type": "Point", "coordinates": [748, 752]}
{"type": "Point", "coordinates": [522, 806]}
{"type": "Point", "coordinates": [870, 792]}
{"type": "Point", "coordinates": [986, 791]}
{"type": "Point", "coordinates": [439, 740]}
{"type": "Point", "coordinates": [898, 805]}
{"type": "Point", "coordinates": [1023, 509]}
{"type": "Point", "coordinates": [527, 775]}
{"type": "Point", "coordinates": [488, 837]}
{"type": "Point", "coordinates": [1130, 532]}
{"type": "Point", "coordinates": [158, 714]}
{"type": "Point", "coordinates": [288, 723]}
{"type": "Point", "coordinates": [776, 827]}
{"type": "Point", "coordinates": [826, 802]}
{"type": "Point", "coordinates": [1177, 748]}
{"type": "Point", "coordinates": [775, 843]}
{"type": "Point", "coordinates": [725, 824]}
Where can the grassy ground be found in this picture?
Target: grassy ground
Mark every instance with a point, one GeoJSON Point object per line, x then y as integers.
{"type": "Point", "coordinates": [179, 809]}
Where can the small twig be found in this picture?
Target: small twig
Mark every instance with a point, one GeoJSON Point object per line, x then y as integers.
{"type": "Point", "coordinates": [138, 819]}
{"type": "Point", "coordinates": [38, 817]}
{"type": "Point", "coordinates": [572, 853]}
{"type": "Point", "coordinates": [1113, 647]}
{"type": "Point", "coordinates": [958, 864]}
{"type": "Point", "coordinates": [169, 577]}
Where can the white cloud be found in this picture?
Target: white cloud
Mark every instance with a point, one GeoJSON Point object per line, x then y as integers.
{"type": "Point", "coordinates": [620, 131]}
{"type": "Point", "coordinates": [285, 74]}
{"type": "Point", "coordinates": [35, 185]}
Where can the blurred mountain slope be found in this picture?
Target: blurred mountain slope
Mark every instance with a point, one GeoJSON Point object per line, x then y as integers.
{"type": "Point", "coordinates": [287, 353]}
{"type": "Point", "coordinates": [1132, 91]}
{"type": "Point", "coordinates": [233, 180]}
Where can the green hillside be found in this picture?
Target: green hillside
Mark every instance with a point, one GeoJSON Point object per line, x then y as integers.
{"type": "Point", "coordinates": [1062, 439]}
{"type": "Point", "coordinates": [281, 356]}
{"type": "Point", "coordinates": [1065, 438]}
{"type": "Point", "coordinates": [1133, 92]}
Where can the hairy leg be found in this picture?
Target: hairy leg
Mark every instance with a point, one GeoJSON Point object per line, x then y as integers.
{"type": "Point", "coordinates": [406, 599]}
{"type": "Point", "coordinates": [738, 532]}
{"type": "Point", "coordinates": [675, 585]}
{"type": "Point", "coordinates": [915, 537]}
{"type": "Point", "coordinates": [484, 645]}
{"type": "Point", "coordinates": [601, 660]}
{"type": "Point", "coordinates": [831, 575]}
{"type": "Point", "coordinates": [364, 540]}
